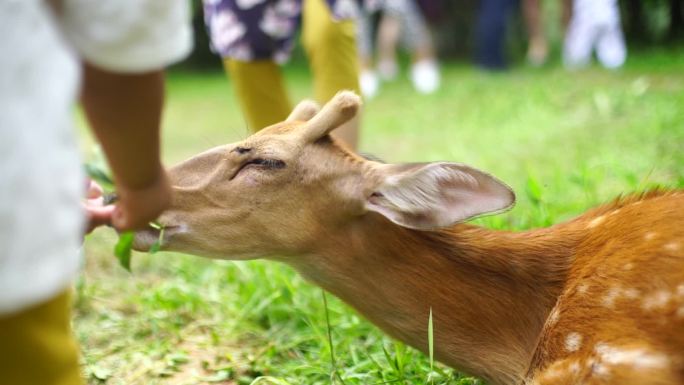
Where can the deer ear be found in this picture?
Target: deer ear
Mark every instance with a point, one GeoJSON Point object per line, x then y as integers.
{"type": "Point", "coordinates": [340, 109]}
{"type": "Point", "coordinates": [304, 111]}
{"type": "Point", "coordinates": [432, 195]}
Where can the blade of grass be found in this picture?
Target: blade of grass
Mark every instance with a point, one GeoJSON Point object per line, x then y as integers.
{"type": "Point", "coordinates": [333, 361]}
{"type": "Point", "coordinates": [269, 381]}
{"type": "Point", "coordinates": [431, 346]}
{"type": "Point", "coordinates": [156, 246]}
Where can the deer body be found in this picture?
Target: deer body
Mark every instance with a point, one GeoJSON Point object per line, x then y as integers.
{"type": "Point", "coordinates": [620, 316]}
{"type": "Point", "coordinates": [596, 300]}
{"type": "Point", "coordinates": [538, 305]}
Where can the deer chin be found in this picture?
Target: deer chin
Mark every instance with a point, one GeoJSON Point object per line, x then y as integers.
{"type": "Point", "coordinates": [144, 239]}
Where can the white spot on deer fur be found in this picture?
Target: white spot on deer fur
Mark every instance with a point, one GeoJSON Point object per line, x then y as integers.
{"type": "Point", "coordinates": [672, 246]}
{"type": "Point", "coordinates": [596, 368]}
{"type": "Point", "coordinates": [680, 290]}
{"type": "Point", "coordinates": [631, 293]}
{"type": "Point", "coordinates": [583, 288]}
{"type": "Point", "coordinates": [657, 300]}
{"type": "Point", "coordinates": [635, 357]}
{"type": "Point", "coordinates": [596, 221]}
{"type": "Point", "coordinates": [680, 312]}
{"type": "Point", "coordinates": [650, 235]}
{"type": "Point", "coordinates": [616, 293]}
{"type": "Point", "coordinates": [573, 342]}
{"type": "Point", "coordinates": [553, 372]}
{"type": "Point", "coordinates": [559, 370]}
{"type": "Point", "coordinates": [611, 296]}
{"type": "Point", "coordinates": [600, 370]}
{"type": "Point", "coordinates": [628, 266]}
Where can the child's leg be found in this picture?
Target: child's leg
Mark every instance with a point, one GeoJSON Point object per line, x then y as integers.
{"type": "Point", "coordinates": [415, 33]}
{"type": "Point", "coordinates": [416, 37]}
{"type": "Point", "coordinates": [38, 347]}
{"type": "Point", "coordinates": [364, 39]}
{"type": "Point", "coordinates": [260, 91]}
{"type": "Point", "coordinates": [389, 31]}
{"type": "Point", "coordinates": [368, 79]}
{"type": "Point", "coordinates": [610, 48]}
{"type": "Point", "coordinates": [538, 47]}
{"type": "Point", "coordinates": [331, 47]}
{"type": "Point", "coordinates": [579, 42]}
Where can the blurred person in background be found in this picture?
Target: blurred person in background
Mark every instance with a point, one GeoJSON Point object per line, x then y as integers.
{"type": "Point", "coordinates": [594, 26]}
{"type": "Point", "coordinates": [116, 52]}
{"type": "Point", "coordinates": [490, 33]}
{"type": "Point", "coordinates": [399, 19]}
{"type": "Point", "coordinates": [538, 44]}
{"type": "Point", "coordinates": [254, 36]}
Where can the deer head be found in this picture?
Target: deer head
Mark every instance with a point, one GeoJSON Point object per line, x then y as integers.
{"type": "Point", "coordinates": [277, 192]}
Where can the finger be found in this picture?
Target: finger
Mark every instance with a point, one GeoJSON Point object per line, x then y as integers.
{"type": "Point", "coordinates": [98, 216]}
{"type": "Point", "coordinates": [94, 190]}
{"type": "Point", "coordinates": [95, 202]}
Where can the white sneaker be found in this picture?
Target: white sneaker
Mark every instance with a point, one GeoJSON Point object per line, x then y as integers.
{"type": "Point", "coordinates": [369, 84]}
{"type": "Point", "coordinates": [425, 76]}
{"type": "Point", "coordinates": [388, 70]}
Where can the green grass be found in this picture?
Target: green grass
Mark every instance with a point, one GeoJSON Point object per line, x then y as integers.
{"type": "Point", "coordinates": [564, 141]}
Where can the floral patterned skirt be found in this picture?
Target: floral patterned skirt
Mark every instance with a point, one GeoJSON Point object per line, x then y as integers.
{"type": "Point", "coordinates": [248, 30]}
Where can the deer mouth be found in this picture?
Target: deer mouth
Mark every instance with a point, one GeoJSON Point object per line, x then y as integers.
{"type": "Point", "coordinates": [147, 239]}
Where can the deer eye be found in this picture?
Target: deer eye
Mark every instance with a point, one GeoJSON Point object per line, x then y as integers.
{"type": "Point", "coordinates": [266, 164]}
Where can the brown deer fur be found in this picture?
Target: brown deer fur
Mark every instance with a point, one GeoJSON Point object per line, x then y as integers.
{"type": "Point", "coordinates": [596, 300]}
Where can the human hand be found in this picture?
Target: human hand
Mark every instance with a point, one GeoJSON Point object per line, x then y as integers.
{"type": "Point", "coordinates": [137, 207]}
{"type": "Point", "coordinates": [97, 214]}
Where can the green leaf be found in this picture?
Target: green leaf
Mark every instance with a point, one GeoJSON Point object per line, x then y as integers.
{"type": "Point", "coordinates": [431, 345]}
{"type": "Point", "coordinates": [100, 373]}
{"type": "Point", "coordinates": [177, 359]}
{"type": "Point", "coordinates": [99, 175]}
{"type": "Point", "coordinates": [122, 249]}
{"type": "Point", "coordinates": [534, 190]}
{"type": "Point", "coordinates": [156, 246]}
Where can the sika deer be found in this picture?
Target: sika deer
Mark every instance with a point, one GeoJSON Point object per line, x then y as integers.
{"type": "Point", "coordinates": [596, 300]}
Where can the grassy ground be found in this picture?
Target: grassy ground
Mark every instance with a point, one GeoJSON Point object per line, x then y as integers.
{"type": "Point", "coordinates": [564, 141]}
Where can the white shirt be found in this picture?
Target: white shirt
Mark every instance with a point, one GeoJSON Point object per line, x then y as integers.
{"type": "Point", "coordinates": [41, 178]}
{"type": "Point", "coordinates": [596, 12]}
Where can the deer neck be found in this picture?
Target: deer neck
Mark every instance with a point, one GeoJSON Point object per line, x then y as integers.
{"type": "Point", "coordinates": [490, 291]}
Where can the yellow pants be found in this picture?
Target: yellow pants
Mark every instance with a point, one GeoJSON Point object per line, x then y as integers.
{"type": "Point", "coordinates": [331, 48]}
{"type": "Point", "coordinates": [37, 346]}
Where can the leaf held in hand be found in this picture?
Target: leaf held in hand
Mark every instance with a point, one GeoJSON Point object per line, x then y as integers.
{"type": "Point", "coordinates": [99, 175]}
{"type": "Point", "coordinates": [122, 250]}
